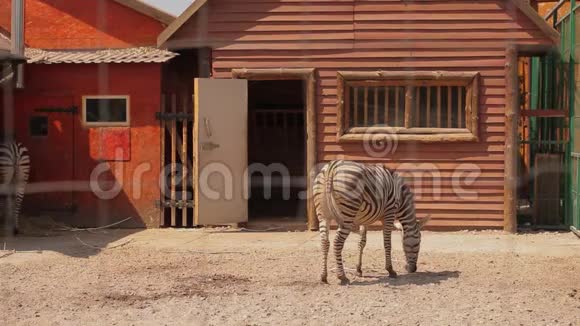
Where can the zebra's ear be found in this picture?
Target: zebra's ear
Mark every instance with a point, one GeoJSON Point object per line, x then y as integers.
{"type": "Point", "coordinates": [424, 221]}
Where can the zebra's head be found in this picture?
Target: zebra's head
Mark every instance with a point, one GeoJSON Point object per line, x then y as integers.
{"type": "Point", "coordinates": [411, 228]}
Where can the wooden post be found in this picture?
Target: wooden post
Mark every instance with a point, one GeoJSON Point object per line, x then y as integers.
{"type": "Point", "coordinates": [173, 131]}
{"type": "Point", "coordinates": [163, 182]}
{"type": "Point", "coordinates": [366, 106]}
{"type": "Point", "coordinates": [449, 105]}
{"type": "Point", "coordinates": [438, 106]}
{"type": "Point", "coordinates": [355, 116]}
{"type": "Point", "coordinates": [376, 111]}
{"type": "Point", "coordinates": [184, 162]}
{"type": "Point", "coordinates": [511, 133]}
{"type": "Point", "coordinates": [428, 113]}
{"type": "Point", "coordinates": [397, 95]}
{"type": "Point", "coordinates": [408, 106]}
{"type": "Point", "coordinates": [312, 153]}
{"type": "Point", "coordinates": [386, 105]}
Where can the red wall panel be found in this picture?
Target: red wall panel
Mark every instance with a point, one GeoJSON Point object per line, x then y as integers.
{"type": "Point", "coordinates": [138, 171]}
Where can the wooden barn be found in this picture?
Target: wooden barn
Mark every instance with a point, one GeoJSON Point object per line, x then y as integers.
{"type": "Point", "coordinates": [429, 88]}
{"type": "Point", "coordinates": [86, 108]}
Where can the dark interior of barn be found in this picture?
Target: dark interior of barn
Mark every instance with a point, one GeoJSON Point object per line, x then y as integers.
{"type": "Point", "coordinates": [277, 150]}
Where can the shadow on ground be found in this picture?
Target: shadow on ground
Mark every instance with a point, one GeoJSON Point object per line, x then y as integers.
{"type": "Point", "coordinates": [418, 278]}
{"type": "Point", "coordinates": [38, 237]}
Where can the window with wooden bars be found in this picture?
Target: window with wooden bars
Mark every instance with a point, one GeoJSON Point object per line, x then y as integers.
{"type": "Point", "coordinates": [420, 106]}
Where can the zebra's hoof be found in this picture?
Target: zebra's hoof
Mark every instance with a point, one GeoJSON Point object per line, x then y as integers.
{"type": "Point", "coordinates": [344, 280]}
{"type": "Point", "coordinates": [323, 280]}
{"type": "Point", "coordinates": [359, 272]}
{"type": "Point", "coordinates": [392, 273]}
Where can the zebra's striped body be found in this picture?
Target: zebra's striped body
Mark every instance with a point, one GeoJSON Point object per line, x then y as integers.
{"type": "Point", "coordinates": [357, 195]}
{"type": "Point", "coordinates": [14, 172]}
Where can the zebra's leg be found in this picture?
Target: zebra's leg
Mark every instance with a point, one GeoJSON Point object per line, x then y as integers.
{"type": "Point", "coordinates": [21, 179]}
{"type": "Point", "coordinates": [361, 246]}
{"type": "Point", "coordinates": [387, 245]}
{"type": "Point", "coordinates": [341, 236]}
{"type": "Point", "coordinates": [325, 246]}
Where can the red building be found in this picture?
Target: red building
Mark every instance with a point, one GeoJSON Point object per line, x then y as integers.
{"type": "Point", "coordinates": [92, 87]}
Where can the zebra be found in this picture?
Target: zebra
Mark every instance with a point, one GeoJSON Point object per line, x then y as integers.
{"type": "Point", "coordinates": [355, 194]}
{"type": "Point", "coordinates": [14, 173]}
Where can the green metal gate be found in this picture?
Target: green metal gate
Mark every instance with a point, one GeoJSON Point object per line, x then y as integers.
{"type": "Point", "coordinates": [566, 25]}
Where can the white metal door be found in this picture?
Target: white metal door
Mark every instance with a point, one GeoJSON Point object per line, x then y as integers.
{"type": "Point", "coordinates": [221, 149]}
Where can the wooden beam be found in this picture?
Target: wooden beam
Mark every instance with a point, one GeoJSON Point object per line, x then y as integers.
{"type": "Point", "coordinates": [179, 21]}
{"type": "Point", "coordinates": [273, 74]}
{"type": "Point", "coordinates": [404, 75]}
{"type": "Point", "coordinates": [436, 138]}
{"type": "Point", "coordinates": [402, 130]}
{"type": "Point", "coordinates": [511, 148]}
{"type": "Point", "coordinates": [535, 17]}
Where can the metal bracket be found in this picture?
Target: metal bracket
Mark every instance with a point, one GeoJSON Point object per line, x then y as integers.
{"type": "Point", "coordinates": [179, 204]}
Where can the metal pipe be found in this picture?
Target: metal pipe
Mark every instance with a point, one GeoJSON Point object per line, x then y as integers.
{"type": "Point", "coordinates": [17, 39]}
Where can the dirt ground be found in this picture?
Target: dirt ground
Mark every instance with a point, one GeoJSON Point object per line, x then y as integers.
{"type": "Point", "coordinates": [228, 277]}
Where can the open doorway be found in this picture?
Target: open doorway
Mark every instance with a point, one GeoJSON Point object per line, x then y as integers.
{"type": "Point", "coordinates": [277, 151]}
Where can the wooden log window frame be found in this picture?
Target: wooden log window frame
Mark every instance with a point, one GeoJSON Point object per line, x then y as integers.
{"type": "Point", "coordinates": [409, 80]}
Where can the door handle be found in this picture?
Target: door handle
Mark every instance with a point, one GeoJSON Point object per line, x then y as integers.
{"type": "Point", "coordinates": [207, 127]}
{"type": "Point", "coordinates": [209, 146]}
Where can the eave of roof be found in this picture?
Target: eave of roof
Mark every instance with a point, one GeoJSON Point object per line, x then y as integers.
{"type": "Point", "coordinates": [148, 10]}
{"type": "Point", "coordinates": [523, 5]}
{"type": "Point", "coordinates": [126, 55]}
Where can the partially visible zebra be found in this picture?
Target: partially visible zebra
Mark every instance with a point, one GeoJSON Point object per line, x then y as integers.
{"type": "Point", "coordinates": [354, 195]}
{"type": "Point", "coordinates": [14, 172]}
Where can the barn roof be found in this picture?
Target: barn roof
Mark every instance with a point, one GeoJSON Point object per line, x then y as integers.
{"type": "Point", "coordinates": [522, 5]}
{"type": "Point", "coordinates": [128, 55]}
{"type": "Point", "coordinates": [148, 10]}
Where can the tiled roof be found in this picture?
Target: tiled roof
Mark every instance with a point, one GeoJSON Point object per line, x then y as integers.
{"type": "Point", "coordinates": [130, 55]}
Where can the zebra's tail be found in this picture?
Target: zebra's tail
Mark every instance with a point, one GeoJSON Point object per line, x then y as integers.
{"type": "Point", "coordinates": [422, 223]}
{"type": "Point", "coordinates": [329, 192]}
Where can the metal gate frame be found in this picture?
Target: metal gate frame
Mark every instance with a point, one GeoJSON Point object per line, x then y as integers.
{"type": "Point", "coordinates": [566, 25]}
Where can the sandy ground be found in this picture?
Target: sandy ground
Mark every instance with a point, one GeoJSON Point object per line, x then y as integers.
{"type": "Point", "coordinates": [225, 277]}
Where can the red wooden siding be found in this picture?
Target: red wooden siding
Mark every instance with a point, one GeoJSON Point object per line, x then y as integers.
{"type": "Point", "coordinates": [57, 24]}
{"type": "Point", "coordinates": [369, 35]}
